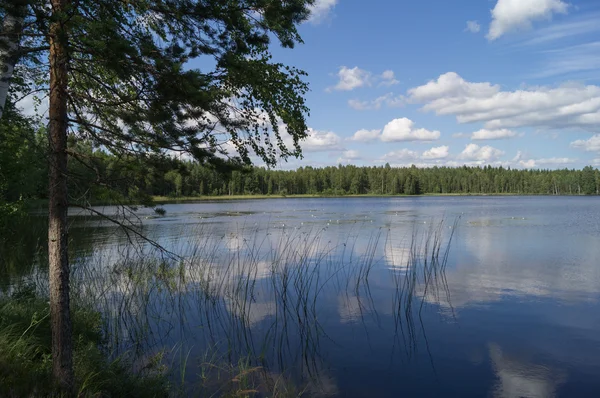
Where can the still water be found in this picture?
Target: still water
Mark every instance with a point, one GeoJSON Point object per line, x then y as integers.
{"type": "Point", "coordinates": [340, 297]}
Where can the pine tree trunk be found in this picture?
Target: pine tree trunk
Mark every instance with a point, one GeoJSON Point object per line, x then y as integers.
{"type": "Point", "coordinates": [9, 44]}
{"type": "Point", "coordinates": [62, 355]}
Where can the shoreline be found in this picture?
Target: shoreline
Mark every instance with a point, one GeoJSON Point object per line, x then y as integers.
{"type": "Point", "coordinates": [166, 199]}
{"type": "Point", "coordinates": [38, 204]}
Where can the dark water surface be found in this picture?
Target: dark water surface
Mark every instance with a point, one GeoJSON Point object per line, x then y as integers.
{"type": "Point", "coordinates": [318, 292]}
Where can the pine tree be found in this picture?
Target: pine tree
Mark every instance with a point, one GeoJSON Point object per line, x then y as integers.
{"type": "Point", "coordinates": [118, 76]}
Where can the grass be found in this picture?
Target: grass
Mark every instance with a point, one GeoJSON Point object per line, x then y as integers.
{"type": "Point", "coordinates": [213, 298]}
{"type": "Point", "coordinates": [26, 362]}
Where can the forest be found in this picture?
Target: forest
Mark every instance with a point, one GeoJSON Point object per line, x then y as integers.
{"type": "Point", "coordinates": [174, 178]}
{"type": "Point", "coordinates": [104, 177]}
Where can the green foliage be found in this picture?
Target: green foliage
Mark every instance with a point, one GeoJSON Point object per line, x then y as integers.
{"type": "Point", "coordinates": [25, 356]}
{"type": "Point", "coordinates": [135, 86]}
{"type": "Point", "coordinates": [22, 166]}
{"type": "Point", "coordinates": [175, 179]}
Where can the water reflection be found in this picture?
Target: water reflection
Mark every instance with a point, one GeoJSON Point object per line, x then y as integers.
{"type": "Point", "coordinates": [523, 262]}
{"type": "Point", "coordinates": [518, 378]}
{"type": "Point", "coordinates": [274, 295]}
{"type": "Point", "coordinates": [334, 298]}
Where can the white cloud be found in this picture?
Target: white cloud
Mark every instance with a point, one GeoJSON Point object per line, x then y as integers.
{"type": "Point", "coordinates": [364, 105]}
{"type": "Point", "coordinates": [454, 87]}
{"type": "Point", "coordinates": [365, 135]}
{"type": "Point", "coordinates": [31, 105]}
{"type": "Point", "coordinates": [500, 134]}
{"type": "Point", "coordinates": [477, 153]}
{"type": "Point", "coordinates": [318, 141]}
{"type": "Point", "coordinates": [351, 78]}
{"type": "Point", "coordinates": [473, 26]}
{"type": "Point", "coordinates": [567, 106]}
{"type": "Point", "coordinates": [460, 135]}
{"type": "Point", "coordinates": [401, 155]}
{"type": "Point", "coordinates": [388, 100]}
{"type": "Point", "coordinates": [581, 57]}
{"type": "Point", "coordinates": [530, 163]}
{"type": "Point", "coordinates": [429, 158]}
{"type": "Point", "coordinates": [402, 129]}
{"type": "Point", "coordinates": [320, 10]}
{"type": "Point", "coordinates": [565, 47]}
{"type": "Point", "coordinates": [388, 78]}
{"type": "Point", "coordinates": [510, 15]}
{"type": "Point", "coordinates": [439, 152]}
{"type": "Point", "coordinates": [585, 24]}
{"type": "Point", "coordinates": [535, 163]}
{"type": "Point", "coordinates": [518, 156]}
{"type": "Point", "coordinates": [590, 145]}
{"type": "Point", "coordinates": [349, 156]}
{"type": "Point", "coordinates": [554, 161]}
{"type": "Point", "coordinates": [472, 156]}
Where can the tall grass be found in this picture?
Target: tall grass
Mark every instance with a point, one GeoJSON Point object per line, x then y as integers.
{"type": "Point", "coordinates": [242, 314]}
{"type": "Point", "coordinates": [214, 296]}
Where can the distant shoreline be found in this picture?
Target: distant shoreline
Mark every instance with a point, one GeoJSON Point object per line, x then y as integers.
{"type": "Point", "coordinates": [42, 204]}
{"type": "Point", "coordinates": [166, 199]}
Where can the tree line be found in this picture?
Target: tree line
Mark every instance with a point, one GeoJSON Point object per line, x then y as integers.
{"type": "Point", "coordinates": [23, 172]}
{"type": "Point", "coordinates": [183, 178]}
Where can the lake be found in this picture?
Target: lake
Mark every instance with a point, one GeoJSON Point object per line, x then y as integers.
{"type": "Point", "coordinates": [355, 297]}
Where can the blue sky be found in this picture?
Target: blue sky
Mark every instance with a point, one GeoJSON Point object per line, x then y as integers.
{"type": "Point", "coordinates": [437, 82]}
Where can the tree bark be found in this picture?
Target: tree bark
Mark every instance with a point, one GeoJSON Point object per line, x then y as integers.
{"type": "Point", "coordinates": [9, 45]}
{"type": "Point", "coordinates": [62, 346]}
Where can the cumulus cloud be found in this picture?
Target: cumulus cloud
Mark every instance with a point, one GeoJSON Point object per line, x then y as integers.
{"type": "Point", "coordinates": [406, 156]}
{"type": "Point", "coordinates": [567, 106]}
{"type": "Point", "coordinates": [473, 26]}
{"type": "Point", "coordinates": [388, 100]}
{"type": "Point", "coordinates": [388, 78]}
{"type": "Point", "coordinates": [366, 135]}
{"type": "Point", "coordinates": [480, 153]}
{"type": "Point", "coordinates": [320, 10]}
{"type": "Point", "coordinates": [590, 145]}
{"type": "Point", "coordinates": [511, 15]}
{"type": "Point", "coordinates": [500, 134]}
{"type": "Point", "coordinates": [349, 156]}
{"type": "Point", "coordinates": [402, 129]}
{"type": "Point", "coordinates": [351, 78]}
{"type": "Point", "coordinates": [318, 141]}
{"type": "Point", "coordinates": [439, 152]}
